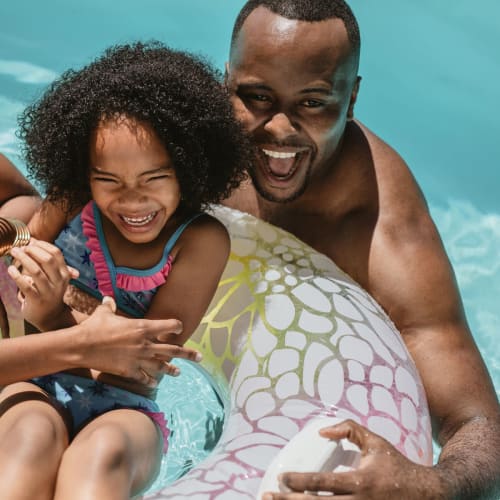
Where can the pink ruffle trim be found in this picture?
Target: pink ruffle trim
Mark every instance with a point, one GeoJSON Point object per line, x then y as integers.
{"type": "Point", "coordinates": [159, 419]}
{"type": "Point", "coordinates": [96, 254]}
{"type": "Point", "coordinates": [140, 283]}
{"type": "Point", "coordinates": [123, 281]}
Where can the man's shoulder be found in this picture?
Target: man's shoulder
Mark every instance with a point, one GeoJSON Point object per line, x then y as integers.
{"type": "Point", "coordinates": [361, 138]}
{"type": "Point", "coordinates": [398, 191]}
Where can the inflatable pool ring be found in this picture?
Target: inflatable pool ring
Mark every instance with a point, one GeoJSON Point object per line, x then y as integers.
{"type": "Point", "coordinates": [289, 341]}
{"type": "Point", "coordinates": [290, 344]}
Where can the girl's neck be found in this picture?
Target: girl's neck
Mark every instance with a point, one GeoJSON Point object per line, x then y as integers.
{"type": "Point", "coordinates": [139, 255]}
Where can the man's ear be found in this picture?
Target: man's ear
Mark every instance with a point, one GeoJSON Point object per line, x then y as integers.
{"type": "Point", "coordinates": [226, 73]}
{"type": "Point", "coordinates": [354, 96]}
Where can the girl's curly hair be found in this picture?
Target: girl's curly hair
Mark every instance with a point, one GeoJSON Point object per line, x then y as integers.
{"type": "Point", "coordinates": [178, 94]}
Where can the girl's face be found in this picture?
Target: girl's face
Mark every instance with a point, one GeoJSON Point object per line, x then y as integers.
{"type": "Point", "coordinates": [132, 179]}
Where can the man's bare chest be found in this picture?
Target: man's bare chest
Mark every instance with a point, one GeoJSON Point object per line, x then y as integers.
{"type": "Point", "coordinates": [347, 241]}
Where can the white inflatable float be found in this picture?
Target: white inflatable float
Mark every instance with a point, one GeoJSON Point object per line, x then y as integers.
{"type": "Point", "coordinates": [293, 344]}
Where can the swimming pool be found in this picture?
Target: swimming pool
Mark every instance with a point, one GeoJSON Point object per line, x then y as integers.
{"type": "Point", "coordinates": [430, 78]}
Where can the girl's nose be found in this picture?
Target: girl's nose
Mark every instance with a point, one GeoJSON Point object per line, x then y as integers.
{"type": "Point", "coordinates": [130, 195]}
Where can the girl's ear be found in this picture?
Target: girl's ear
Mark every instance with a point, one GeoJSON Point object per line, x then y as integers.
{"type": "Point", "coordinates": [354, 96]}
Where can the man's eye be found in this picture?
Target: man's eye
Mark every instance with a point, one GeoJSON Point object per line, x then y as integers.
{"type": "Point", "coordinates": [255, 98]}
{"type": "Point", "coordinates": [312, 103]}
{"type": "Point", "coordinates": [259, 97]}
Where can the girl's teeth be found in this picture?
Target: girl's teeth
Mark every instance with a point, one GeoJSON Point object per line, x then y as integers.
{"type": "Point", "coordinates": [139, 221]}
{"type": "Point", "coordinates": [278, 154]}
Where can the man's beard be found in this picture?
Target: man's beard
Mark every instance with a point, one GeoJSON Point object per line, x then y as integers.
{"type": "Point", "coordinates": [271, 197]}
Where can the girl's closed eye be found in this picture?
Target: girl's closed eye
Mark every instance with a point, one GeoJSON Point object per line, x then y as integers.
{"type": "Point", "coordinates": [104, 179]}
{"type": "Point", "coordinates": [161, 177]}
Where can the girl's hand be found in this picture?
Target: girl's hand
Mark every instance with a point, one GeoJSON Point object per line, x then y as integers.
{"type": "Point", "coordinates": [131, 348]}
{"type": "Point", "coordinates": [42, 277]}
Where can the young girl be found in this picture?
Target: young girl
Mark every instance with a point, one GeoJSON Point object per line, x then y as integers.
{"type": "Point", "coordinates": [143, 139]}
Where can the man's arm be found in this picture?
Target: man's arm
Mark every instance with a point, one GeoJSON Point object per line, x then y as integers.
{"type": "Point", "coordinates": [412, 278]}
{"type": "Point", "coordinates": [414, 281]}
{"type": "Point", "coordinates": [18, 198]}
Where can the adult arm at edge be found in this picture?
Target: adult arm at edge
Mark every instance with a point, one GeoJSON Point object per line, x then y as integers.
{"type": "Point", "coordinates": [105, 342]}
{"type": "Point", "coordinates": [18, 198]}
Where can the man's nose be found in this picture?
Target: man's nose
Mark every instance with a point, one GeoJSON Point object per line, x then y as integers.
{"type": "Point", "coordinates": [280, 126]}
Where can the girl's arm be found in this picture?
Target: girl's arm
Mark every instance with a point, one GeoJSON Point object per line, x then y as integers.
{"type": "Point", "coordinates": [18, 198]}
{"type": "Point", "coordinates": [200, 257]}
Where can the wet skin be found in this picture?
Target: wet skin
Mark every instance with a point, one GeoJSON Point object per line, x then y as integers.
{"type": "Point", "coordinates": [333, 183]}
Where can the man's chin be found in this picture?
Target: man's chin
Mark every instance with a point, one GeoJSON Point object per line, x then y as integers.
{"type": "Point", "coordinates": [282, 192]}
{"type": "Point", "coordinates": [278, 195]}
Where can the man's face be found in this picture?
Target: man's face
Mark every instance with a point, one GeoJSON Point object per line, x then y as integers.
{"type": "Point", "coordinates": [293, 85]}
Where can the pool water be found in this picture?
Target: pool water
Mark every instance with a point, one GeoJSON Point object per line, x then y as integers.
{"type": "Point", "coordinates": [195, 429]}
{"type": "Point", "coordinates": [430, 87]}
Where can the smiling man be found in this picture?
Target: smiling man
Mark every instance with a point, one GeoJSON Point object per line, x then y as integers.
{"type": "Point", "coordinates": [323, 176]}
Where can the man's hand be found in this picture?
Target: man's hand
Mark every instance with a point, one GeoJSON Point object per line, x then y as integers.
{"type": "Point", "coordinates": [131, 348]}
{"type": "Point", "coordinates": [383, 473]}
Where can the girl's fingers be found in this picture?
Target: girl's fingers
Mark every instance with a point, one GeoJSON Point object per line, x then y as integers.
{"type": "Point", "coordinates": [50, 260]}
{"type": "Point", "coordinates": [23, 282]}
{"type": "Point", "coordinates": [30, 267]}
{"type": "Point", "coordinates": [74, 273]}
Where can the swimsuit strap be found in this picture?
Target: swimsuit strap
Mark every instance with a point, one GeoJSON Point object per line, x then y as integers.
{"type": "Point", "coordinates": [173, 239]}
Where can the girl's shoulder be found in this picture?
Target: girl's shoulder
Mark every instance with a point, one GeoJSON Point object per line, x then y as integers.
{"type": "Point", "coordinates": [204, 232]}
{"type": "Point", "coordinates": [206, 225]}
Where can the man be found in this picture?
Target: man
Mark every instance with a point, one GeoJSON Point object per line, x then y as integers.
{"type": "Point", "coordinates": [320, 174]}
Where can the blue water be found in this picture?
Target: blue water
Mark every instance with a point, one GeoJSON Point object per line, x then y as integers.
{"type": "Point", "coordinates": [430, 88]}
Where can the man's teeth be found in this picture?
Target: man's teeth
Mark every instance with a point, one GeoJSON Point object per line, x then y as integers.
{"type": "Point", "coordinates": [139, 221]}
{"type": "Point", "coordinates": [278, 154]}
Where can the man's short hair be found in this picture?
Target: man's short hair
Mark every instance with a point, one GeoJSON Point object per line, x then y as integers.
{"type": "Point", "coordinates": [305, 10]}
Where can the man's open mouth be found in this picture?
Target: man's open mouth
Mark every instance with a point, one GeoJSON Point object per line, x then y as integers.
{"type": "Point", "coordinates": [281, 164]}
